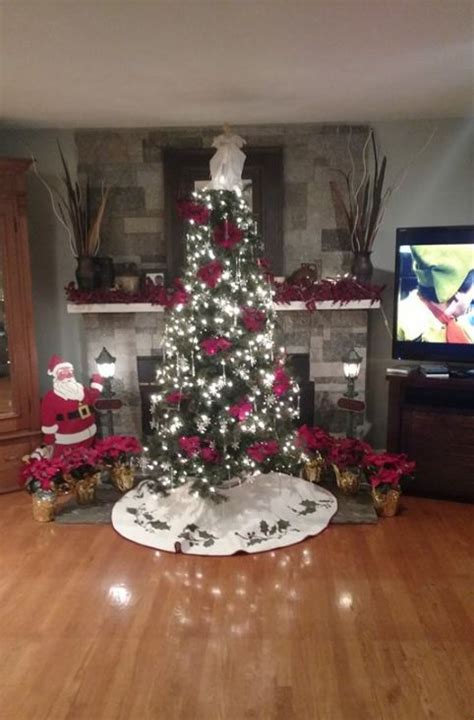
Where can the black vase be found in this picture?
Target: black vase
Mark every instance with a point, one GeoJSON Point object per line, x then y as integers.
{"type": "Point", "coordinates": [361, 266]}
{"type": "Point", "coordinates": [104, 272]}
{"type": "Point", "coordinates": [85, 272]}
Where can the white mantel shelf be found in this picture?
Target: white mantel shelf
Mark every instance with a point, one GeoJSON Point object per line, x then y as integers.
{"type": "Point", "coordinates": [83, 309]}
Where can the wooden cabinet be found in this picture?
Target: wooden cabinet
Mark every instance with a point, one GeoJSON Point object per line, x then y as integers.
{"type": "Point", "coordinates": [19, 398]}
{"type": "Point", "coordinates": [432, 420]}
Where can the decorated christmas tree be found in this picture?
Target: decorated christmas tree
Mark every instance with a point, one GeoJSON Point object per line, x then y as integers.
{"type": "Point", "coordinates": [226, 403]}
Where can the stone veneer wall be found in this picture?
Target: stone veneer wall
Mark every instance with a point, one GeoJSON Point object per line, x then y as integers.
{"type": "Point", "coordinates": [131, 161]}
{"type": "Point", "coordinates": [325, 335]}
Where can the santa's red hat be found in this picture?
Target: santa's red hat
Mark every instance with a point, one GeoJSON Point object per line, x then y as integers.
{"type": "Point", "coordinates": [56, 362]}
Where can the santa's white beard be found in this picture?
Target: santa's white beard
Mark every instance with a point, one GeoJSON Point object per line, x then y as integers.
{"type": "Point", "coordinates": [69, 389]}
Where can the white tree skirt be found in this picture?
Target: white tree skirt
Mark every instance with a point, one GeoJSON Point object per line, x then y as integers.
{"type": "Point", "coordinates": [266, 512]}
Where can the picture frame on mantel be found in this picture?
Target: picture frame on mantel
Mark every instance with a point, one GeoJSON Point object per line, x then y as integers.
{"type": "Point", "coordinates": [184, 169]}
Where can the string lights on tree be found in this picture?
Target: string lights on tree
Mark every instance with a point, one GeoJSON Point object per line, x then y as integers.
{"type": "Point", "coordinates": [226, 403]}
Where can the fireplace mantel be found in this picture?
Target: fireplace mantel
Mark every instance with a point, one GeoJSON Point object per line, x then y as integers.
{"type": "Point", "coordinates": [76, 308]}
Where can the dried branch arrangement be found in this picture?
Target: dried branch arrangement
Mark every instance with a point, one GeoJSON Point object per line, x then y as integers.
{"type": "Point", "coordinates": [363, 206]}
{"type": "Point", "coordinates": [73, 209]}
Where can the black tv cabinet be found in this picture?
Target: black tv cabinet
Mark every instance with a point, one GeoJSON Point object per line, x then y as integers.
{"type": "Point", "coordinates": [432, 421]}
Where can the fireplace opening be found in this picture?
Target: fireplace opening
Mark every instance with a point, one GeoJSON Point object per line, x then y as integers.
{"type": "Point", "coordinates": [299, 365]}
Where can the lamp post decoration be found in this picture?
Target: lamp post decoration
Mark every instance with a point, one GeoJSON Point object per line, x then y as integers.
{"type": "Point", "coordinates": [351, 363]}
{"type": "Point", "coordinates": [108, 403]}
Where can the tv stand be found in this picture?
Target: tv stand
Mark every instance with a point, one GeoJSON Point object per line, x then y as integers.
{"type": "Point", "coordinates": [432, 421]}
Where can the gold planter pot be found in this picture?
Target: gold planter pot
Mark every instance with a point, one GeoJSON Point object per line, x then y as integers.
{"type": "Point", "coordinates": [85, 489]}
{"type": "Point", "coordinates": [43, 507]}
{"type": "Point", "coordinates": [122, 477]}
{"type": "Point", "coordinates": [386, 504]}
{"type": "Point", "coordinates": [347, 481]}
{"type": "Point", "coordinates": [312, 470]}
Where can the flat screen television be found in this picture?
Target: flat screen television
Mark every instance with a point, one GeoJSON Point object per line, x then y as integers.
{"type": "Point", "coordinates": [434, 294]}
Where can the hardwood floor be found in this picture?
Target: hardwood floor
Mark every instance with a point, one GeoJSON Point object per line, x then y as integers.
{"type": "Point", "coordinates": [369, 622]}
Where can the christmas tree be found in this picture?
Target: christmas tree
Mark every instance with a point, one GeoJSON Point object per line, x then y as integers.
{"type": "Point", "coordinates": [226, 403]}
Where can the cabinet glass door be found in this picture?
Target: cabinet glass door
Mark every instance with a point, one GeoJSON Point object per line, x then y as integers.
{"type": "Point", "coordinates": [6, 395]}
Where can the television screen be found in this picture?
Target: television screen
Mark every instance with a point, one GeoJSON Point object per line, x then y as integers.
{"type": "Point", "coordinates": [434, 294]}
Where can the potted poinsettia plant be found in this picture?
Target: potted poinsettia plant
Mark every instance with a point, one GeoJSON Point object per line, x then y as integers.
{"type": "Point", "coordinates": [386, 472]}
{"type": "Point", "coordinates": [346, 456]}
{"type": "Point", "coordinates": [82, 472]}
{"type": "Point", "coordinates": [40, 477]}
{"type": "Point", "coordinates": [117, 453]}
{"type": "Point", "coordinates": [316, 443]}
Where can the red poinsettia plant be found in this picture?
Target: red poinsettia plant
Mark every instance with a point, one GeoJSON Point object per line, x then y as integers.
{"type": "Point", "coordinates": [348, 453]}
{"type": "Point", "coordinates": [81, 462]}
{"type": "Point", "coordinates": [118, 449]}
{"type": "Point", "coordinates": [385, 471]}
{"type": "Point", "coordinates": [41, 475]}
{"type": "Point", "coordinates": [314, 440]}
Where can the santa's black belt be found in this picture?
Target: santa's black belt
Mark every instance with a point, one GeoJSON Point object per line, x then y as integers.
{"type": "Point", "coordinates": [83, 412]}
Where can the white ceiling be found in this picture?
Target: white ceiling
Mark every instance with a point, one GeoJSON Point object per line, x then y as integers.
{"type": "Point", "coordinates": [109, 63]}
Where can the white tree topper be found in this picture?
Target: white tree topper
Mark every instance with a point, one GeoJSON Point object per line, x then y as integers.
{"type": "Point", "coordinates": [228, 162]}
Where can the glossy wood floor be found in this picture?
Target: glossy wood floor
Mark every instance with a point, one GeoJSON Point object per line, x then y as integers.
{"type": "Point", "coordinates": [369, 622]}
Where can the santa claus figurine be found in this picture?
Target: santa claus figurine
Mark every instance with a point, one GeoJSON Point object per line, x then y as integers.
{"type": "Point", "coordinates": [67, 411]}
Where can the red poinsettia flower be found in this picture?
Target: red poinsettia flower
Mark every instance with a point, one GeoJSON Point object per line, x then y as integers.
{"type": "Point", "coordinates": [314, 439]}
{"type": "Point", "coordinates": [80, 461]}
{"type": "Point", "coordinates": [40, 473]}
{"type": "Point", "coordinates": [212, 346]}
{"type": "Point", "coordinates": [281, 382]}
{"type": "Point", "coordinates": [190, 210]}
{"type": "Point", "coordinates": [260, 451]}
{"type": "Point", "coordinates": [347, 452]}
{"type": "Point", "coordinates": [190, 444]}
{"type": "Point", "coordinates": [175, 397]}
{"type": "Point", "coordinates": [241, 409]}
{"type": "Point", "coordinates": [117, 448]}
{"type": "Point", "coordinates": [210, 455]}
{"type": "Point", "coordinates": [253, 319]}
{"type": "Point", "coordinates": [177, 295]}
{"type": "Point", "coordinates": [226, 234]}
{"type": "Point", "coordinates": [386, 476]}
{"type": "Point", "coordinates": [210, 273]}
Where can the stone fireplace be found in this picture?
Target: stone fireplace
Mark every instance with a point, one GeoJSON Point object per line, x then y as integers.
{"type": "Point", "coordinates": [134, 334]}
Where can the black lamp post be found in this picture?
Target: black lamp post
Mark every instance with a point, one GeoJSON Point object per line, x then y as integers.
{"type": "Point", "coordinates": [351, 364]}
{"type": "Point", "coordinates": [106, 367]}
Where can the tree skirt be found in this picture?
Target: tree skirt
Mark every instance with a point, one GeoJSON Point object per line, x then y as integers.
{"type": "Point", "coordinates": [266, 512]}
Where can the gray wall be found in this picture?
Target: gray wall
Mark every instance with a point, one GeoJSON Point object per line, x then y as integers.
{"type": "Point", "coordinates": [131, 161]}
{"type": "Point", "coordinates": [438, 190]}
{"type": "Point", "coordinates": [51, 259]}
